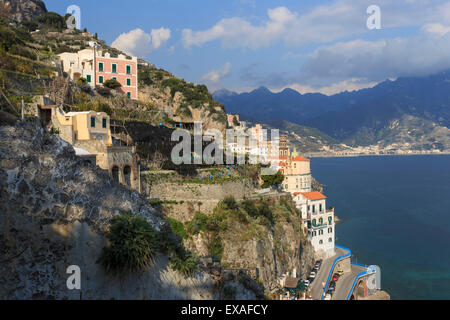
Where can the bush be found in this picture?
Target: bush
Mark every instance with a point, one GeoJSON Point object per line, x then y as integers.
{"type": "Point", "coordinates": [186, 262]}
{"type": "Point", "coordinates": [81, 80]}
{"type": "Point", "coordinates": [273, 180]}
{"type": "Point", "coordinates": [53, 20]}
{"type": "Point", "coordinates": [198, 223]}
{"type": "Point", "coordinates": [178, 228]}
{"type": "Point", "coordinates": [133, 244]}
{"type": "Point", "coordinates": [215, 248]}
{"type": "Point", "coordinates": [230, 203]}
{"type": "Point", "coordinates": [112, 84]}
{"type": "Point", "coordinates": [229, 292]}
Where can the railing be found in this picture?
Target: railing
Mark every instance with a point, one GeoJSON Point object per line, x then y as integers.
{"type": "Point", "coordinates": [348, 254]}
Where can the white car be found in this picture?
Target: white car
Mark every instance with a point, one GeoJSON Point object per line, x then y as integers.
{"type": "Point", "coordinates": [327, 297]}
{"type": "Point", "coordinates": [312, 275]}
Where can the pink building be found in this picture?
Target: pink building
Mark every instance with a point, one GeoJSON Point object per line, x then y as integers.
{"type": "Point", "coordinates": [123, 69]}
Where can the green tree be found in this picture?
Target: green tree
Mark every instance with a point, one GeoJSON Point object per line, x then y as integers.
{"type": "Point", "coordinates": [112, 84]}
{"type": "Point", "coordinates": [273, 180]}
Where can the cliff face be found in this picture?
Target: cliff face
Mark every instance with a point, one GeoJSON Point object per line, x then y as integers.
{"type": "Point", "coordinates": [54, 212]}
{"type": "Point", "coordinates": [22, 10]}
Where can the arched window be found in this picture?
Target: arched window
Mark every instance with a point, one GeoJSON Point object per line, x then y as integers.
{"type": "Point", "coordinates": [321, 221]}
{"type": "Point", "coordinates": [330, 240]}
{"type": "Point", "coordinates": [127, 175]}
{"type": "Point", "coordinates": [320, 242]}
{"type": "Point", "coordinates": [314, 222]}
{"type": "Point", "coordinates": [330, 219]}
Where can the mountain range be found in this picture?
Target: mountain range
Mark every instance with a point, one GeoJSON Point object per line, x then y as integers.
{"type": "Point", "coordinates": [410, 113]}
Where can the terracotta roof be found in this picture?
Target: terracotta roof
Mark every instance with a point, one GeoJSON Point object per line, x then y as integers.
{"type": "Point", "coordinates": [300, 159]}
{"type": "Point", "coordinates": [315, 195]}
{"type": "Point", "coordinates": [296, 193]}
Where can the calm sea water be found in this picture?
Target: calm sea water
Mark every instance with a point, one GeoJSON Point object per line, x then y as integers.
{"type": "Point", "coordinates": [395, 213]}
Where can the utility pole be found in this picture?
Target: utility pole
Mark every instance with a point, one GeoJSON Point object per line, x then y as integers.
{"type": "Point", "coordinates": [94, 45]}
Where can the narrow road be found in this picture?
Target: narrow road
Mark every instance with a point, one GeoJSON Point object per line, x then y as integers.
{"type": "Point", "coordinates": [316, 288]}
{"type": "Point", "coordinates": [344, 284]}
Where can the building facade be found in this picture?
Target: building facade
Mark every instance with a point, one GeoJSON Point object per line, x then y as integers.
{"type": "Point", "coordinates": [121, 68]}
{"type": "Point", "coordinates": [90, 134]}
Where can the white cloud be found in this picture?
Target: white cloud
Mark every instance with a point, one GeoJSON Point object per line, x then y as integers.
{"type": "Point", "coordinates": [139, 43]}
{"type": "Point", "coordinates": [346, 85]}
{"type": "Point", "coordinates": [214, 76]}
{"type": "Point", "coordinates": [321, 24]}
{"type": "Point", "coordinates": [436, 29]}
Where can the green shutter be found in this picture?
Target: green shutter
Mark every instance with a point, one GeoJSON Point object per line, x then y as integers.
{"type": "Point", "coordinates": [88, 78]}
{"type": "Point", "coordinates": [128, 82]}
{"type": "Point", "coordinates": [100, 66]}
{"type": "Point", "coordinates": [129, 95]}
{"type": "Point", "coordinates": [93, 122]}
{"type": "Point", "coordinates": [104, 122]}
{"type": "Point", "coordinates": [114, 68]}
{"type": "Point", "coordinates": [100, 79]}
{"type": "Point", "coordinates": [128, 69]}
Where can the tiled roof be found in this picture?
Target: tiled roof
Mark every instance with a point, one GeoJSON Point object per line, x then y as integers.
{"type": "Point", "coordinates": [300, 159]}
{"type": "Point", "coordinates": [315, 195]}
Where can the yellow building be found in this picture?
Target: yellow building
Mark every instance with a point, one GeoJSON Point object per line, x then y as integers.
{"type": "Point", "coordinates": [83, 126]}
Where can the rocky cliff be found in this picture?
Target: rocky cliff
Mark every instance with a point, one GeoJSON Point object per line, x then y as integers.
{"type": "Point", "coordinates": [54, 212]}
{"type": "Point", "coordinates": [25, 10]}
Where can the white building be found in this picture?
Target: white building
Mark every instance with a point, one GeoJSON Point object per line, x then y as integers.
{"type": "Point", "coordinates": [318, 220]}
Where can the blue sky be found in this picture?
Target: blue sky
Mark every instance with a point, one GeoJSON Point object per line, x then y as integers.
{"type": "Point", "coordinates": [308, 45]}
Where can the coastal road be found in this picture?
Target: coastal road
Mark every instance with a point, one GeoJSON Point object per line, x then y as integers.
{"type": "Point", "coordinates": [316, 288]}
{"type": "Point", "coordinates": [345, 283]}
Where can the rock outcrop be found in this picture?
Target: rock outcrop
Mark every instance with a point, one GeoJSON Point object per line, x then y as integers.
{"type": "Point", "coordinates": [54, 211]}
{"type": "Point", "coordinates": [25, 10]}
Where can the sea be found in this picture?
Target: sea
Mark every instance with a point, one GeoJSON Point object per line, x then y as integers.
{"type": "Point", "coordinates": [394, 212]}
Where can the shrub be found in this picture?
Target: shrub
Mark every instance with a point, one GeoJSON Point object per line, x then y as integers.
{"type": "Point", "coordinates": [53, 20]}
{"type": "Point", "coordinates": [178, 228]}
{"type": "Point", "coordinates": [250, 207]}
{"type": "Point", "coordinates": [112, 84]}
{"type": "Point", "coordinates": [230, 203]}
{"type": "Point", "coordinates": [273, 180]}
{"type": "Point", "coordinates": [198, 223]}
{"type": "Point", "coordinates": [215, 248]}
{"type": "Point", "coordinates": [186, 262]}
{"type": "Point", "coordinates": [229, 292]}
{"type": "Point", "coordinates": [81, 80]}
{"type": "Point", "coordinates": [133, 244]}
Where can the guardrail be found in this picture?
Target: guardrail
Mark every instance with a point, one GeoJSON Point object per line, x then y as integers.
{"type": "Point", "coordinates": [348, 254]}
{"type": "Point", "coordinates": [359, 275]}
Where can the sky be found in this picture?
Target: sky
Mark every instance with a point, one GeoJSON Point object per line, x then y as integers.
{"type": "Point", "coordinates": [326, 46]}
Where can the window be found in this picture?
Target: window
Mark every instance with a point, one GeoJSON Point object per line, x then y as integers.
{"type": "Point", "coordinates": [100, 66]}
{"type": "Point", "coordinates": [104, 122]}
{"type": "Point", "coordinates": [320, 221]}
{"type": "Point", "coordinates": [330, 219]}
{"type": "Point", "coordinates": [330, 230]}
{"type": "Point", "coordinates": [93, 122]}
{"type": "Point", "coordinates": [314, 222]}
{"type": "Point", "coordinates": [114, 78]}
{"type": "Point", "coordinates": [88, 78]}
{"type": "Point", "coordinates": [320, 207]}
{"type": "Point", "coordinates": [114, 68]}
{"type": "Point", "coordinates": [100, 79]}
{"type": "Point", "coordinates": [129, 95]}
{"type": "Point", "coordinates": [128, 69]}
{"type": "Point", "coordinates": [330, 240]}
{"type": "Point", "coordinates": [321, 242]}
{"type": "Point", "coordinates": [128, 82]}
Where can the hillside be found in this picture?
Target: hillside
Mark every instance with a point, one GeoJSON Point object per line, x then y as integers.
{"type": "Point", "coordinates": [364, 117]}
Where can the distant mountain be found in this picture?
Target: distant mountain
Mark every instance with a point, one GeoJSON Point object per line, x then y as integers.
{"type": "Point", "coordinates": [266, 105]}
{"type": "Point", "coordinates": [366, 117]}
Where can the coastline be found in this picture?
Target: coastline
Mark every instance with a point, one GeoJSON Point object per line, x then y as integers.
{"type": "Point", "coordinates": [334, 155]}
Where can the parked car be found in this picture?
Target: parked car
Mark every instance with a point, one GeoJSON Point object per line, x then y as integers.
{"type": "Point", "coordinates": [327, 297]}
{"type": "Point", "coordinates": [332, 285]}
{"type": "Point", "coordinates": [312, 275]}
{"type": "Point", "coordinates": [318, 264]}
{"type": "Point", "coordinates": [340, 272]}
{"type": "Point", "coordinates": [330, 292]}
{"type": "Point", "coordinates": [307, 283]}
{"type": "Point", "coordinates": [336, 277]}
